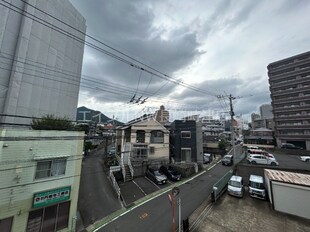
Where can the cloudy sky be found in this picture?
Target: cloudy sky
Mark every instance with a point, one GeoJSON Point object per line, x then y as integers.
{"type": "Point", "coordinates": [217, 47]}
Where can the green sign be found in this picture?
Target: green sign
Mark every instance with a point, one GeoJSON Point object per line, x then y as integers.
{"type": "Point", "coordinates": [45, 198]}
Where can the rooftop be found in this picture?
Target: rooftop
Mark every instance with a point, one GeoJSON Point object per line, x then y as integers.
{"type": "Point", "coordinates": [288, 177]}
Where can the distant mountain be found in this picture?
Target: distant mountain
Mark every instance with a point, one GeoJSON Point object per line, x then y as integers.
{"type": "Point", "coordinates": [85, 114]}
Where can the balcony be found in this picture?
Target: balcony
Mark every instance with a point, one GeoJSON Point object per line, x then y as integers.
{"type": "Point", "coordinates": [291, 117]}
{"type": "Point", "coordinates": [290, 64]}
{"type": "Point", "coordinates": [289, 91]}
{"type": "Point", "coordinates": [297, 109]}
{"type": "Point", "coordinates": [289, 74]}
{"type": "Point", "coordinates": [301, 80]}
{"type": "Point", "coordinates": [293, 127]}
{"type": "Point", "coordinates": [291, 99]}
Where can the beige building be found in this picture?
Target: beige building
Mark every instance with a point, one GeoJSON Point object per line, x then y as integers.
{"type": "Point", "coordinates": [39, 180]}
{"type": "Point", "coordinates": [148, 139]}
{"type": "Point", "coordinates": [162, 115]}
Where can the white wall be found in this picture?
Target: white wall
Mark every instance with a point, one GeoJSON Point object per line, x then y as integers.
{"type": "Point", "coordinates": [291, 199]}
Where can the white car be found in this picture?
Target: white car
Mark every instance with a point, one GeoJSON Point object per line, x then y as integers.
{"type": "Point", "coordinates": [305, 158]}
{"type": "Point", "coordinates": [261, 159]}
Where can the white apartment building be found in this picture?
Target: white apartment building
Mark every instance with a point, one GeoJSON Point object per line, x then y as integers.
{"type": "Point", "coordinates": [40, 68]}
{"type": "Point", "coordinates": [39, 179]}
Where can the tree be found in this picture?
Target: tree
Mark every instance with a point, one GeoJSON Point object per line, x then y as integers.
{"type": "Point", "coordinates": [51, 122]}
{"type": "Point", "coordinates": [223, 144]}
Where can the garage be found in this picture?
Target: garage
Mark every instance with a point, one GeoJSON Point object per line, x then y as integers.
{"type": "Point", "coordinates": [289, 192]}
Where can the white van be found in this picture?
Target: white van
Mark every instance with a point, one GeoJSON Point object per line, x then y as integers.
{"type": "Point", "coordinates": [235, 186]}
{"type": "Point", "coordinates": [256, 187]}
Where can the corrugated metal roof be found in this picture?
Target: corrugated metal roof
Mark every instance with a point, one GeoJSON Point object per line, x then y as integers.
{"type": "Point", "coordinates": [288, 177]}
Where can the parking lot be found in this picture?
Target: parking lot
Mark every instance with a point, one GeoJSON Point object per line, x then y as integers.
{"type": "Point", "coordinates": [142, 186]}
{"type": "Point", "coordinates": [246, 214]}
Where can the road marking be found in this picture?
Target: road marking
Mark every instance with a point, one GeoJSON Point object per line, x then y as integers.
{"type": "Point", "coordinates": [143, 216]}
{"type": "Point", "coordinates": [152, 182]}
{"type": "Point", "coordinates": [158, 193]}
{"type": "Point", "coordinates": [139, 187]}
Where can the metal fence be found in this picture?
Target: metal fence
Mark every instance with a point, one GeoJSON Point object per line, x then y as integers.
{"type": "Point", "coordinates": [219, 186]}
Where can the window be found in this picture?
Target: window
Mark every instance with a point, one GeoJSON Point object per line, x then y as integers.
{"type": "Point", "coordinates": [157, 136]}
{"type": "Point", "coordinates": [186, 134]}
{"type": "Point", "coordinates": [152, 150]}
{"type": "Point", "coordinates": [140, 136]}
{"type": "Point", "coordinates": [6, 224]}
{"type": "Point", "coordinates": [49, 168]}
{"type": "Point", "coordinates": [52, 218]}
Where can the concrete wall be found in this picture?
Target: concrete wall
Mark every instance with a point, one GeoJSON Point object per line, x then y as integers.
{"type": "Point", "coordinates": [42, 67]}
{"type": "Point", "coordinates": [18, 151]}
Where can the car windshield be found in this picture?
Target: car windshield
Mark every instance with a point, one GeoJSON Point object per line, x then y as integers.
{"type": "Point", "coordinates": [226, 158]}
{"type": "Point", "coordinates": [256, 185]}
{"type": "Point", "coordinates": [157, 173]}
{"type": "Point", "coordinates": [234, 183]}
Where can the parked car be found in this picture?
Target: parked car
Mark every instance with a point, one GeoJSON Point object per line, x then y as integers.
{"type": "Point", "coordinates": [257, 187]}
{"type": "Point", "coordinates": [171, 174]}
{"type": "Point", "coordinates": [290, 146]}
{"type": "Point", "coordinates": [155, 176]}
{"type": "Point", "coordinates": [262, 159]}
{"type": "Point", "coordinates": [228, 160]}
{"type": "Point", "coordinates": [235, 186]}
{"type": "Point", "coordinates": [305, 158]}
{"type": "Point", "coordinates": [207, 158]}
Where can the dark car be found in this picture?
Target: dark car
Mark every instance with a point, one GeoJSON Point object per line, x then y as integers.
{"type": "Point", "coordinates": [171, 174]}
{"type": "Point", "coordinates": [228, 160]}
{"type": "Point", "coordinates": [290, 146]}
{"type": "Point", "coordinates": [156, 176]}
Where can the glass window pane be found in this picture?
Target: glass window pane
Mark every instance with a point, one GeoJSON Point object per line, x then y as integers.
{"type": "Point", "coordinates": [6, 224]}
{"type": "Point", "coordinates": [59, 167]}
{"type": "Point", "coordinates": [34, 221]}
{"type": "Point", "coordinates": [49, 220]}
{"type": "Point", "coordinates": [63, 215]}
{"type": "Point", "coordinates": [43, 169]}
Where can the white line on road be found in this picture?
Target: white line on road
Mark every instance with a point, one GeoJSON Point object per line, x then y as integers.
{"type": "Point", "coordinates": [152, 182]}
{"type": "Point", "coordinates": [139, 187]}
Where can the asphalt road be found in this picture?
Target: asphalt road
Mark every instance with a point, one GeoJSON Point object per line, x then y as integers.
{"type": "Point", "coordinates": [97, 198]}
{"type": "Point", "coordinates": [291, 161]}
{"type": "Point", "coordinates": [156, 214]}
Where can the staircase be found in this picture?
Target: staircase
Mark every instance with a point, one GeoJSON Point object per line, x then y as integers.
{"type": "Point", "coordinates": [128, 176]}
{"type": "Point", "coordinates": [126, 166]}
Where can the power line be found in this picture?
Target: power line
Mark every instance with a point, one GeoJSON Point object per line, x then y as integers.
{"type": "Point", "coordinates": [70, 35]}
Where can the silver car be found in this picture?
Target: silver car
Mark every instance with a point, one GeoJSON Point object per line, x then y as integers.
{"type": "Point", "coordinates": [262, 159]}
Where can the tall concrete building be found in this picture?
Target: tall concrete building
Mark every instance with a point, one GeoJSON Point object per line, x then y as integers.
{"type": "Point", "coordinates": [40, 68]}
{"type": "Point", "coordinates": [289, 81]}
{"type": "Point", "coordinates": [266, 111]}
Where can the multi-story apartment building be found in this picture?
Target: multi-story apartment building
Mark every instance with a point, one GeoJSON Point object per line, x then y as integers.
{"type": "Point", "coordinates": [40, 66]}
{"type": "Point", "coordinates": [289, 81]}
{"type": "Point", "coordinates": [162, 115]}
{"type": "Point", "coordinates": [266, 111]}
{"type": "Point", "coordinates": [39, 179]}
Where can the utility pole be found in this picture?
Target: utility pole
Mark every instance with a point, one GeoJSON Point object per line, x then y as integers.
{"type": "Point", "coordinates": [231, 98]}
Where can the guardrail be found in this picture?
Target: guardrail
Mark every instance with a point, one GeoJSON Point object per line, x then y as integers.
{"type": "Point", "coordinates": [219, 186]}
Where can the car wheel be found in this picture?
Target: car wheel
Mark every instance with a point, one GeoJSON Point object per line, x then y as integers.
{"type": "Point", "coordinates": [253, 162]}
{"type": "Point", "coordinates": [273, 164]}
{"type": "Point", "coordinates": [308, 160]}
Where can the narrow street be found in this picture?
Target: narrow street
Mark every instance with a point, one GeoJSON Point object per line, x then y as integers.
{"type": "Point", "coordinates": [97, 198]}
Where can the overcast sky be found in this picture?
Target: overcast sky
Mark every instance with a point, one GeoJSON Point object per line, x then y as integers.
{"type": "Point", "coordinates": [221, 47]}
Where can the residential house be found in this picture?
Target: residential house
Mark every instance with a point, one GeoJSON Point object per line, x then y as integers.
{"type": "Point", "coordinates": [143, 140]}
{"type": "Point", "coordinates": [186, 141]}
{"type": "Point", "coordinates": [40, 178]}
